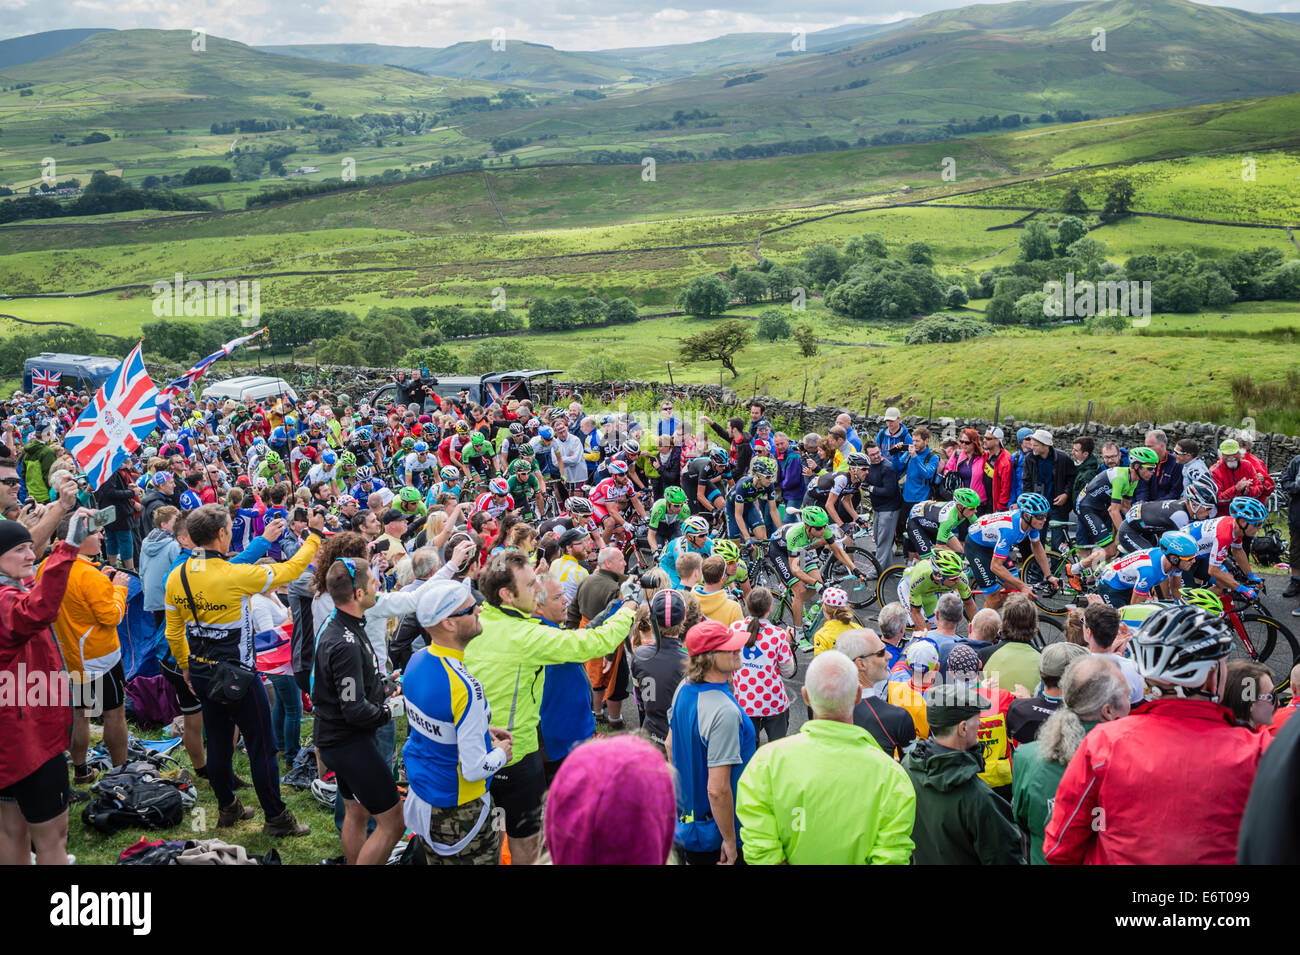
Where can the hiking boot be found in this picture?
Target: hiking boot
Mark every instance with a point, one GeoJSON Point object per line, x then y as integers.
{"type": "Point", "coordinates": [235, 812]}
{"type": "Point", "coordinates": [1292, 589]}
{"type": "Point", "coordinates": [285, 825]}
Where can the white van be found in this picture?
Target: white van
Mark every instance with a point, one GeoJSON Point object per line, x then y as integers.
{"type": "Point", "coordinates": [257, 387]}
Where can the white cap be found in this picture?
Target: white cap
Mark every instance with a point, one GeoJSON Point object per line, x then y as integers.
{"type": "Point", "coordinates": [892, 414]}
{"type": "Point", "coordinates": [1042, 436]}
{"type": "Point", "coordinates": [996, 433]}
{"type": "Point", "coordinates": [439, 599]}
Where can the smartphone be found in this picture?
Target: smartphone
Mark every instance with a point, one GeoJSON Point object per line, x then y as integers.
{"type": "Point", "coordinates": [105, 516]}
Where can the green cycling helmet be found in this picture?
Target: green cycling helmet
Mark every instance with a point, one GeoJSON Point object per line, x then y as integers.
{"type": "Point", "coordinates": [1207, 600]}
{"type": "Point", "coordinates": [477, 438]}
{"type": "Point", "coordinates": [814, 516]}
{"type": "Point", "coordinates": [763, 467]}
{"type": "Point", "coordinates": [409, 495]}
{"type": "Point", "coordinates": [408, 443]}
{"type": "Point", "coordinates": [1143, 455]}
{"type": "Point", "coordinates": [727, 550]}
{"type": "Point", "coordinates": [674, 495]}
{"type": "Point", "coordinates": [347, 459]}
{"type": "Point", "coordinates": [520, 465]}
{"type": "Point", "coordinates": [947, 563]}
{"type": "Point", "coordinates": [966, 497]}
{"type": "Point", "coordinates": [272, 457]}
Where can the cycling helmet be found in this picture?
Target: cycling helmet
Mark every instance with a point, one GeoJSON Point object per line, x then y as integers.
{"type": "Point", "coordinates": [516, 429]}
{"type": "Point", "coordinates": [834, 597]}
{"type": "Point", "coordinates": [763, 467]}
{"type": "Point", "coordinates": [1143, 456]}
{"type": "Point", "coordinates": [814, 516]}
{"type": "Point", "coordinates": [409, 495]}
{"type": "Point", "coordinates": [947, 563]}
{"type": "Point", "coordinates": [462, 427]}
{"type": "Point", "coordinates": [727, 550]}
{"type": "Point", "coordinates": [1229, 446]}
{"type": "Point", "coordinates": [1204, 598]}
{"type": "Point", "coordinates": [668, 607]}
{"type": "Point", "coordinates": [365, 472]}
{"type": "Point", "coordinates": [527, 450]}
{"type": "Point", "coordinates": [1248, 509]}
{"type": "Point", "coordinates": [617, 466]}
{"type": "Point", "coordinates": [302, 439]}
{"type": "Point", "coordinates": [1181, 646]}
{"type": "Point", "coordinates": [1033, 504]}
{"type": "Point", "coordinates": [257, 443]}
{"type": "Point", "coordinates": [329, 459]}
{"type": "Point", "coordinates": [272, 457]}
{"type": "Point", "coordinates": [169, 437]}
{"type": "Point", "coordinates": [674, 495]}
{"type": "Point", "coordinates": [477, 439]}
{"type": "Point", "coordinates": [1202, 492]}
{"type": "Point", "coordinates": [520, 465]}
{"type": "Point", "coordinates": [578, 505]}
{"type": "Point", "coordinates": [546, 434]}
{"type": "Point", "coordinates": [449, 474]}
{"type": "Point", "coordinates": [420, 448]}
{"type": "Point", "coordinates": [324, 792]}
{"type": "Point", "coordinates": [534, 423]}
{"type": "Point", "coordinates": [407, 443]}
{"type": "Point", "coordinates": [347, 458]}
{"type": "Point", "coordinates": [695, 525]}
{"type": "Point", "coordinates": [1177, 544]}
{"type": "Point", "coordinates": [966, 497]}
{"type": "Point", "coordinates": [719, 455]}
{"type": "Point", "coordinates": [631, 446]}
{"type": "Point", "coordinates": [290, 421]}
{"type": "Point", "coordinates": [498, 486]}
{"type": "Point", "coordinates": [857, 459]}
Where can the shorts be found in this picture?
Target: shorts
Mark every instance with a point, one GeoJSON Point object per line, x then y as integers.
{"type": "Point", "coordinates": [1132, 537]}
{"type": "Point", "coordinates": [119, 544]}
{"type": "Point", "coordinates": [754, 517]}
{"type": "Point", "coordinates": [711, 495]}
{"type": "Point", "coordinates": [667, 531]}
{"type": "Point", "coordinates": [43, 794]}
{"type": "Point", "coordinates": [362, 774]}
{"type": "Point", "coordinates": [980, 558]}
{"type": "Point", "coordinates": [186, 701]}
{"type": "Point", "coordinates": [781, 561]}
{"type": "Point", "coordinates": [103, 692]}
{"type": "Point", "coordinates": [1115, 596]}
{"type": "Point", "coordinates": [921, 534]}
{"type": "Point", "coordinates": [1094, 528]}
{"type": "Point", "coordinates": [518, 790]}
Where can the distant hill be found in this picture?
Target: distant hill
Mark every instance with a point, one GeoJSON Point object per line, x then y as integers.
{"type": "Point", "coordinates": [37, 46]}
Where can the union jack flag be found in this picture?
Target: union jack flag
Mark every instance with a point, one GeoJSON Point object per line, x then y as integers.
{"type": "Point", "coordinates": [187, 380]}
{"type": "Point", "coordinates": [121, 416]}
{"type": "Point", "coordinates": [45, 381]}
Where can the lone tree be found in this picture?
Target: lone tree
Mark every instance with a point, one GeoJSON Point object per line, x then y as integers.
{"type": "Point", "coordinates": [1119, 201]}
{"type": "Point", "coordinates": [807, 340]}
{"type": "Point", "coordinates": [705, 297]}
{"type": "Point", "coordinates": [721, 343]}
{"type": "Point", "coordinates": [773, 323]}
{"type": "Point", "coordinates": [1072, 202]}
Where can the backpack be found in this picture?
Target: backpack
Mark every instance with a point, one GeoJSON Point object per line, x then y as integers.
{"type": "Point", "coordinates": [137, 796]}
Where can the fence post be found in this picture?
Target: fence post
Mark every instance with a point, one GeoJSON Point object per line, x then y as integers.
{"type": "Point", "coordinates": [1087, 418]}
{"type": "Point", "coordinates": [755, 392]}
{"type": "Point", "coordinates": [671, 383]}
{"type": "Point", "coordinates": [871, 393]}
{"type": "Point", "coordinates": [802, 399]}
{"type": "Point", "coordinates": [929, 415]}
{"type": "Point", "coordinates": [997, 410]}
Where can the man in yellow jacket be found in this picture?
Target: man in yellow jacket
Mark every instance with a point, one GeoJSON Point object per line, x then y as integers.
{"type": "Point", "coordinates": [510, 658]}
{"type": "Point", "coordinates": [210, 628]}
{"type": "Point", "coordinates": [86, 627]}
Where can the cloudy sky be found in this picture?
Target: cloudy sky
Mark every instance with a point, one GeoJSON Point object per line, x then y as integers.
{"type": "Point", "coordinates": [565, 24]}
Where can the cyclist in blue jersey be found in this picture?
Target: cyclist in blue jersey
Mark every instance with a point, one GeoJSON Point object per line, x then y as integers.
{"type": "Point", "coordinates": [694, 540]}
{"type": "Point", "coordinates": [751, 504]}
{"type": "Point", "coordinates": [989, 544]}
{"type": "Point", "coordinates": [1134, 578]}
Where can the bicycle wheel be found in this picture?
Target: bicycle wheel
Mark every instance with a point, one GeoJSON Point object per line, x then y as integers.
{"type": "Point", "coordinates": [1050, 630]}
{"type": "Point", "coordinates": [1276, 644]}
{"type": "Point", "coordinates": [782, 614]}
{"type": "Point", "coordinates": [862, 593]}
{"type": "Point", "coordinates": [887, 585]}
{"type": "Point", "coordinates": [1056, 605]}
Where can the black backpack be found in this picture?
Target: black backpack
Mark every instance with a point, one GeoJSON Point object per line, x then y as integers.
{"type": "Point", "coordinates": [137, 796]}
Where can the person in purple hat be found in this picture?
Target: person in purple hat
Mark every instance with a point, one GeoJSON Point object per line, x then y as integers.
{"type": "Point", "coordinates": [612, 803]}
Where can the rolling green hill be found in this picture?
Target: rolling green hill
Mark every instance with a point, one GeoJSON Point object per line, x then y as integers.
{"type": "Point", "coordinates": [37, 46]}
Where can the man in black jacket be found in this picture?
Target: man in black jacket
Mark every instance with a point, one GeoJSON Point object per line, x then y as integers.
{"type": "Point", "coordinates": [1290, 486]}
{"type": "Point", "coordinates": [348, 704]}
{"type": "Point", "coordinates": [163, 490]}
{"type": "Point", "coordinates": [889, 725]}
{"type": "Point", "coordinates": [120, 492]}
{"type": "Point", "coordinates": [886, 499]}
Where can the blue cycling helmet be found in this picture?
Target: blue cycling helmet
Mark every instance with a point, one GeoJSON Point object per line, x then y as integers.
{"type": "Point", "coordinates": [328, 458]}
{"type": "Point", "coordinates": [1033, 504]}
{"type": "Point", "coordinates": [1248, 509]}
{"type": "Point", "coordinates": [420, 448]}
{"type": "Point", "coordinates": [1178, 544]}
{"type": "Point", "coordinates": [545, 434]}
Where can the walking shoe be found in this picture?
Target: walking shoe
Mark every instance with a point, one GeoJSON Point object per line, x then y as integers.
{"type": "Point", "coordinates": [805, 645]}
{"type": "Point", "coordinates": [1296, 612]}
{"type": "Point", "coordinates": [285, 825]}
{"type": "Point", "coordinates": [235, 812]}
{"type": "Point", "coordinates": [1292, 589]}
{"type": "Point", "coordinates": [86, 778]}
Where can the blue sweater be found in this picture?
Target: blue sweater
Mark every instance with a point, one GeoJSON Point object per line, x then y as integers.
{"type": "Point", "coordinates": [566, 714]}
{"type": "Point", "coordinates": [921, 470]}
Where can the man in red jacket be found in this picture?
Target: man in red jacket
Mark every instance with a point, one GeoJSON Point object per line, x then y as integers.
{"type": "Point", "coordinates": [35, 702]}
{"type": "Point", "coordinates": [997, 470]}
{"type": "Point", "coordinates": [1236, 474]}
{"type": "Point", "coordinates": [1166, 785]}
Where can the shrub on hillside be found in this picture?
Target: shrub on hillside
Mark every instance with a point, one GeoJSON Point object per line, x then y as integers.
{"type": "Point", "coordinates": [945, 328]}
{"type": "Point", "coordinates": [774, 323]}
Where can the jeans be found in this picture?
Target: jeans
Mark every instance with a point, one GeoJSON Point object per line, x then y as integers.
{"type": "Point", "coordinates": [885, 525]}
{"type": "Point", "coordinates": [777, 725]}
{"type": "Point", "coordinates": [286, 715]}
{"type": "Point", "coordinates": [386, 740]}
{"type": "Point", "coordinates": [252, 715]}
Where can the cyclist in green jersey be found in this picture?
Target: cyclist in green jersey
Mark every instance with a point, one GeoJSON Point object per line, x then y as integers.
{"type": "Point", "coordinates": [926, 580]}
{"type": "Point", "coordinates": [525, 485]}
{"type": "Point", "coordinates": [794, 555]}
{"type": "Point", "coordinates": [934, 524]}
{"type": "Point", "coordinates": [665, 521]}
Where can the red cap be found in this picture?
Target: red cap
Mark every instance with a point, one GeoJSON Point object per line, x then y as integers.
{"type": "Point", "coordinates": [709, 635]}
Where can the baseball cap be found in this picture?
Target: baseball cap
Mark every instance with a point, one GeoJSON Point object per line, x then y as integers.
{"type": "Point", "coordinates": [668, 607]}
{"type": "Point", "coordinates": [892, 414]}
{"type": "Point", "coordinates": [924, 654]}
{"type": "Point", "coordinates": [573, 535]}
{"type": "Point", "coordinates": [391, 515]}
{"type": "Point", "coordinates": [709, 635]}
{"type": "Point", "coordinates": [948, 704]}
{"type": "Point", "coordinates": [440, 598]}
{"type": "Point", "coordinates": [1056, 657]}
{"type": "Point", "coordinates": [996, 433]}
{"type": "Point", "coordinates": [1043, 436]}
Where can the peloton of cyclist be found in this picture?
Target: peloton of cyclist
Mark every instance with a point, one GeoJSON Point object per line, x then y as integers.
{"type": "Point", "coordinates": [934, 524]}
{"type": "Point", "coordinates": [794, 554]}
{"type": "Point", "coordinates": [989, 544]}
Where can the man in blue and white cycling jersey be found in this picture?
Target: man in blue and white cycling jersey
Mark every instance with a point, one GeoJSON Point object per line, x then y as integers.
{"type": "Point", "coordinates": [989, 544]}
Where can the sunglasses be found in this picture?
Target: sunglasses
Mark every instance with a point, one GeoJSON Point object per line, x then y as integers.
{"type": "Point", "coordinates": [461, 613]}
{"type": "Point", "coordinates": [11, 481]}
{"type": "Point", "coordinates": [963, 441]}
{"type": "Point", "coordinates": [883, 651]}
